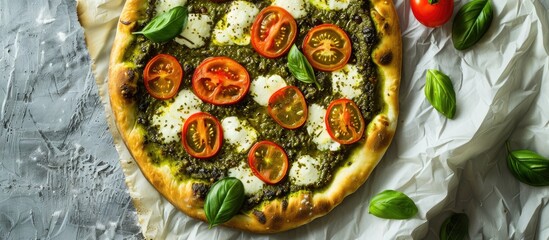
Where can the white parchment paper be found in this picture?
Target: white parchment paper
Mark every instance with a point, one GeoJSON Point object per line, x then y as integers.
{"type": "Point", "coordinates": [443, 165]}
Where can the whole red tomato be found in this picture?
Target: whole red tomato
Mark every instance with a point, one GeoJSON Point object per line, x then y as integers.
{"type": "Point", "coordinates": [432, 13]}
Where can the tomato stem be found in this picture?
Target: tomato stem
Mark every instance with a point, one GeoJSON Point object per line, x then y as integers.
{"type": "Point", "coordinates": [433, 2]}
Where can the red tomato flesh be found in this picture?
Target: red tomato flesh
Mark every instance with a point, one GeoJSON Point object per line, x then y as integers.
{"type": "Point", "coordinates": [220, 81]}
{"type": "Point", "coordinates": [288, 108]}
{"type": "Point", "coordinates": [273, 32]}
{"type": "Point", "coordinates": [344, 121]}
{"type": "Point", "coordinates": [202, 135]}
{"type": "Point", "coordinates": [268, 162]}
{"type": "Point", "coordinates": [327, 47]}
{"type": "Point", "coordinates": [162, 76]}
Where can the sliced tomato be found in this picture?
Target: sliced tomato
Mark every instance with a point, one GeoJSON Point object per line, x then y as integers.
{"type": "Point", "coordinates": [344, 121]}
{"type": "Point", "coordinates": [288, 108]}
{"type": "Point", "coordinates": [327, 47]}
{"type": "Point", "coordinates": [268, 161]}
{"type": "Point", "coordinates": [162, 76]}
{"type": "Point", "coordinates": [220, 81]}
{"type": "Point", "coordinates": [273, 32]}
{"type": "Point", "coordinates": [202, 135]}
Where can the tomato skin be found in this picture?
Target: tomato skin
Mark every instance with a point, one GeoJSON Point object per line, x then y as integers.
{"type": "Point", "coordinates": [267, 157]}
{"type": "Point", "coordinates": [295, 109]}
{"type": "Point", "coordinates": [327, 47]}
{"type": "Point", "coordinates": [344, 121]}
{"type": "Point", "coordinates": [199, 126]}
{"type": "Point", "coordinates": [273, 24]}
{"type": "Point", "coordinates": [220, 81]}
{"type": "Point", "coordinates": [432, 15]}
{"type": "Point", "coordinates": [162, 76]}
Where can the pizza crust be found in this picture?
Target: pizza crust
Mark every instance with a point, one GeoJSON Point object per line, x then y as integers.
{"type": "Point", "coordinates": [298, 208]}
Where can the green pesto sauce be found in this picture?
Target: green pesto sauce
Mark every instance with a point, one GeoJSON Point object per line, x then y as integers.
{"type": "Point", "coordinates": [355, 20]}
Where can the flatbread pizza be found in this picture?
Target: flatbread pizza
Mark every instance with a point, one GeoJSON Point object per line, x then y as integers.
{"type": "Point", "coordinates": [297, 100]}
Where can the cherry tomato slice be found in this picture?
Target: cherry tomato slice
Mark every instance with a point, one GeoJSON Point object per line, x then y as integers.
{"type": "Point", "coordinates": [273, 32]}
{"type": "Point", "coordinates": [288, 108]}
{"type": "Point", "coordinates": [327, 47]}
{"type": "Point", "coordinates": [220, 81]}
{"type": "Point", "coordinates": [268, 161]}
{"type": "Point", "coordinates": [432, 13]}
{"type": "Point", "coordinates": [202, 135]}
{"type": "Point", "coordinates": [344, 121]}
{"type": "Point", "coordinates": [162, 76]}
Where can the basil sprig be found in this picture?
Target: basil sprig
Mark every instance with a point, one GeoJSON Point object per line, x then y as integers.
{"type": "Point", "coordinates": [471, 23]}
{"type": "Point", "coordinates": [440, 93]}
{"type": "Point", "coordinates": [528, 167]}
{"type": "Point", "coordinates": [300, 67]}
{"type": "Point", "coordinates": [392, 204]}
{"type": "Point", "coordinates": [166, 26]}
{"type": "Point", "coordinates": [455, 227]}
{"type": "Point", "coordinates": [224, 200]}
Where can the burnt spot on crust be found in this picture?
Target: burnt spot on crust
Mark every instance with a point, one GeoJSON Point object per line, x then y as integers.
{"type": "Point", "coordinates": [260, 216]}
{"type": "Point", "coordinates": [128, 88]}
{"type": "Point", "coordinates": [386, 27]}
{"type": "Point", "coordinates": [323, 206]}
{"type": "Point", "coordinates": [382, 22]}
{"type": "Point", "coordinates": [125, 22]}
{"type": "Point", "coordinates": [284, 204]}
{"type": "Point", "coordinates": [303, 213]}
{"type": "Point", "coordinates": [383, 136]}
{"type": "Point", "coordinates": [128, 91]}
{"type": "Point", "coordinates": [276, 222]}
{"type": "Point", "coordinates": [386, 58]}
{"type": "Point", "coordinates": [200, 190]}
{"type": "Point", "coordinates": [382, 140]}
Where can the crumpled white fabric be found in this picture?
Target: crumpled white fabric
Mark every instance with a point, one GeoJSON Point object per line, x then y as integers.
{"type": "Point", "coordinates": [443, 165]}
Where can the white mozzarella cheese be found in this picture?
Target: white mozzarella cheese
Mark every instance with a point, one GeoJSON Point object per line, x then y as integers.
{"type": "Point", "coordinates": [238, 133]}
{"type": "Point", "coordinates": [263, 87]}
{"type": "Point", "coordinates": [330, 4]}
{"type": "Point", "coordinates": [316, 127]}
{"type": "Point", "coordinates": [163, 6]}
{"type": "Point", "coordinates": [234, 28]}
{"type": "Point", "coordinates": [196, 32]}
{"type": "Point", "coordinates": [251, 183]}
{"type": "Point", "coordinates": [170, 118]}
{"type": "Point", "coordinates": [305, 171]}
{"type": "Point", "coordinates": [298, 8]}
{"type": "Point", "coordinates": [347, 81]}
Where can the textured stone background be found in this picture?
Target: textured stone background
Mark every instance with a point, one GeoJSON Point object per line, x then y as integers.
{"type": "Point", "coordinates": [59, 171]}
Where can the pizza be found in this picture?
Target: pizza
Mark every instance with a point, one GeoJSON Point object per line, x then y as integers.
{"type": "Point", "coordinates": [297, 100]}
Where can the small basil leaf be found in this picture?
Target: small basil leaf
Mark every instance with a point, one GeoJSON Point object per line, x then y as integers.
{"type": "Point", "coordinates": [471, 23]}
{"type": "Point", "coordinates": [300, 67]}
{"type": "Point", "coordinates": [166, 26]}
{"type": "Point", "coordinates": [392, 204]}
{"type": "Point", "coordinates": [440, 93]}
{"type": "Point", "coordinates": [455, 227]}
{"type": "Point", "coordinates": [528, 167]}
{"type": "Point", "coordinates": [224, 200]}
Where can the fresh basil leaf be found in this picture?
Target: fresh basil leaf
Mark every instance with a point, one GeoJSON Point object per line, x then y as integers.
{"type": "Point", "coordinates": [300, 67]}
{"type": "Point", "coordinates": [224, 200]}
{"type": "Point", "coordinates": [440, 93]}
{"type": "Point", "coordinates": [392, 204]}
{"type": "Point", "coordinates": [528, 167]}
{"type": "Point", "coordinates": [471, 23]}
{"type": "Point", "coordinates": [455, 227]}
{"type": "Point", "coordinates": [166, 26]}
